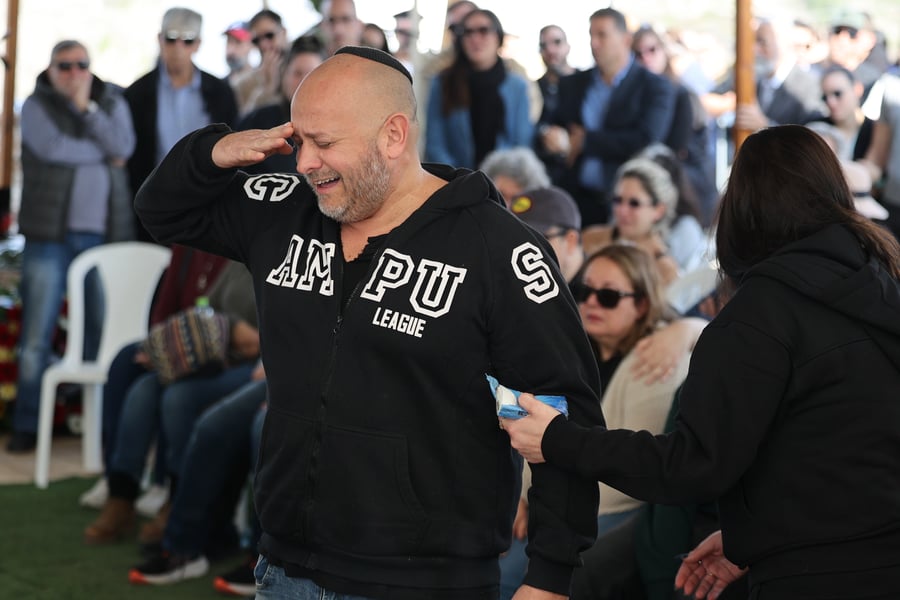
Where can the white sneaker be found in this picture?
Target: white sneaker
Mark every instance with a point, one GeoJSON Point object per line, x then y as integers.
{"type": "Point", "coordinates": [152, 500]}
{"type": "Point", "coordinates": [96, 496]}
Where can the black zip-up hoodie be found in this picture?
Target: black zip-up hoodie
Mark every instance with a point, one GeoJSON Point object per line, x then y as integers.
{"type": "Point", "coordinates": [790, 417]}
{"type": "Point", "coordinates": [381, 458]}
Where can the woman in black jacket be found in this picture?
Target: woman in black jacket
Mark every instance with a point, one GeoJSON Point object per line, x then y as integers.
{"type": "Point", "coordinates": [789, 414]}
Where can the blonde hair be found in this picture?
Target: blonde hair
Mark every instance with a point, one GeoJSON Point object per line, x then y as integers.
{"type": "Point", "coordinates": [657, 182]}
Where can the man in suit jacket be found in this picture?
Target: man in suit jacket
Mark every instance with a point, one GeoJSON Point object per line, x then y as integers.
{"type": "Point", "coordinates": [786, 94]}
{"type": "Point", "coordinates": [190, 98]}
{"type": "Point", "coordinates": [610, 112]}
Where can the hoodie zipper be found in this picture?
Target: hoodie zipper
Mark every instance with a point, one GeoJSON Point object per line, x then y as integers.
{"type": "Point", "coordinates": [319, 428]}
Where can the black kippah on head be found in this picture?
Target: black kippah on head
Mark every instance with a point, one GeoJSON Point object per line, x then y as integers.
{"type": "Point", "coordinates": [379, 56]}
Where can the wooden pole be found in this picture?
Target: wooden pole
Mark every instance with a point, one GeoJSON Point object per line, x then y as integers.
{"type": "Point", "coordinates": [9, 81]}
{"type": "Point", "coordinates": [7, 127]}
{"type": "Point", "coordinates": [744, 76]}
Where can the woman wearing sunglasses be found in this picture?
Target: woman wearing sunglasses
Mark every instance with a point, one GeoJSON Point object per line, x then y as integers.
{"type": "Point", "coordinates": [476, 105]}
{"type": "Point", "coordinates": [620, 300]}
{"type": "Point", "coordinates": [643, 209]}
{"type": "Point", "coordinates": [789, 414]}
{"type": "Point", "coordinates": [842, 94]}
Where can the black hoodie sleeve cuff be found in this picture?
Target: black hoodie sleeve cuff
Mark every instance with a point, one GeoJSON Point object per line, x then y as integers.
{"type": "Point", "coordinates": [549, 576]}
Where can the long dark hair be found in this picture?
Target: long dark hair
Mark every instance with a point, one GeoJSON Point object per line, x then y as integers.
{"type": "Point", "coordinates": [455, 90]}
{"type": "Point", "coordinates": [785, 185]}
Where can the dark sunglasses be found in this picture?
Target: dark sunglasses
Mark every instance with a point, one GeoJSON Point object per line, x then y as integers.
{"type": "Point", "coordinates": [172, 39]}
{"type": "Point", "coordinates": [631, 202]}
{"type": "Point", "coordinates": [269, 35]}
{"type": "Point", "coordinates": [836, 93]}
{"type": "Point", "coordinates": [68, 65]}
{"type": "Point", "coordinates": [484, 30]}
{"type": "Point", "coordinates": [548, 43]}
{"type": "Point", "coordinates": [606, 297]}
{"type": "Point", "coordinates": [839, 29]}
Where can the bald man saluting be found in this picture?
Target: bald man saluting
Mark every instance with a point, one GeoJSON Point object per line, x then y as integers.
{"type": "Point", "coordinates": [386, 291]}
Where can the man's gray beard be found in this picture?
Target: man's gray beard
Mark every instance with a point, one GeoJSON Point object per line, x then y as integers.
{"type": "Point", "coordinates": [366, 190]}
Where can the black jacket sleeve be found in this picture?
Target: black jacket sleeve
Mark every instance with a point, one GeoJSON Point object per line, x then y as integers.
{"type": "Point", "coordinates": [737, 378]}
{"type": "Point", "coordinates": [538, 345]}
{"type": "Point", "coordinates": [188, 200]}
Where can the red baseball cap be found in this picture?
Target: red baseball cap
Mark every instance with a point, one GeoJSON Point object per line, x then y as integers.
{"type": "Point", "coordinates": [239, 30]}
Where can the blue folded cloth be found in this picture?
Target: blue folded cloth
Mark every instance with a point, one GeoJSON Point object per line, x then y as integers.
{"type": "Point", "coordinates": [508, 401]}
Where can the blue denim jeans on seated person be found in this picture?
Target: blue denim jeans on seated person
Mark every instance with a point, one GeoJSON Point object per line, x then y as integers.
{"type": "Point", "coordinates": [273, 584]}
{"type": "Point", "coordinates": [221, 439]}
{"type": "Point", "coordinates": [123, 372]}
{"type": "Point", "coordinates": [176, 406]}
{"type": "Point", "coordinates": [43, 286]}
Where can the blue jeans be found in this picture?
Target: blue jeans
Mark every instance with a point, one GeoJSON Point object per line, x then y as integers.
{"type": "Point", "coordinates": [514, 563]}
{"type": "Point", "coordinates": [273, 584]}
{"type": "Point", "coordinates": [43, 285]}
{"type": "Point", "coordinates": [221, 440]}
{"type": "Point", "coordinates": [123, 372]}
{"type": "Point", "coordinates": [175, 408]}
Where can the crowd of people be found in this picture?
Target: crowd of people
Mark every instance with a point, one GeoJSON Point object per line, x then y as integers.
{"type": "Point", "coordinates": [418, 222]}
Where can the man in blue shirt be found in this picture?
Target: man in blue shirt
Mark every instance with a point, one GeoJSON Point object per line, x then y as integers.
{"type": "Point", "coordinates": [610, 112]}
{"type": "Point", "coordinates": [175, 98]}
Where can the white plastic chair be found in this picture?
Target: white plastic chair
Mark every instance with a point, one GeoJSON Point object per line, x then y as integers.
{"type": "Point", "coordinates": [130, 272]}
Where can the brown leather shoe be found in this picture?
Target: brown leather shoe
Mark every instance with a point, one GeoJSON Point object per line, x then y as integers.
{"type": "Point", "coordinates": [115, 521]}
{"type": "Point", "coordinates": [152, 531]}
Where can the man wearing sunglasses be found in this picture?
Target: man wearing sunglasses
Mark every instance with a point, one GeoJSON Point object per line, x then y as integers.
{"type": "Point", "coordinates": [174, 98]}
{"type": "Point", "coordinates": [552, 145]}
{"type": "Point", "coordinates": [76, 136]}
{"type": "Point", "coordinates": [261, 86]}
{"type": "Point", "coordinates": [852, 45]}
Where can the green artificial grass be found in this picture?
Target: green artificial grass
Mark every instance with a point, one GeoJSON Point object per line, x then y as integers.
{"type": "Point", "coordinates": [43, 557]}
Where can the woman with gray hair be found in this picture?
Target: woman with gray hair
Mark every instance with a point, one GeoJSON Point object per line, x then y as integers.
{"type": "Point", "coordinates": [514, 170]}
{"type": "Point", "coordinates": [643, 210]}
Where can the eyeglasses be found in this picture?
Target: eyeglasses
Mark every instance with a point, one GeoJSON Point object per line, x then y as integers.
{"type": "Point", "coordinates": [187, 40]}
{"type": "Point", "coordinates": [839, 29]}
{"type": "Point", "coordinates": [606, 297]}
{"type": "Point", "coordinates": [835, 93]}
{"type": "Point", "coordinates": [631, 202]}
{"type": "Point", "coordinates": [548, 43]}
{"type": "Point", "coordinates": [647, 51]}
{"type": "Point", "coordinates": [482, 31]}
{"type": "Point", "coordinates": [269, 36]}
{"type": "Point", "coordinates": [68, 65]}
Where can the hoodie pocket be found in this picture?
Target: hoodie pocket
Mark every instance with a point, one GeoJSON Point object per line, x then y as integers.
{"type": "Point", "coordinates": [364, 499]}
{"type": "Point", "coordinates": [282, 477]}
